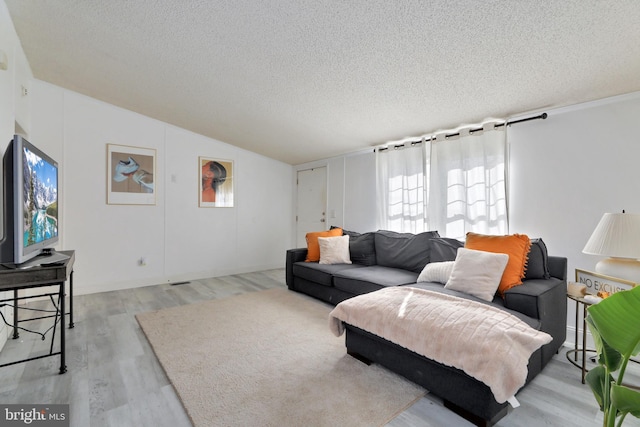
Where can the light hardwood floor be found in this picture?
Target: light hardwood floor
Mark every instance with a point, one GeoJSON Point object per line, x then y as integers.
{"type": "Point", "coordinates": [114, 379]}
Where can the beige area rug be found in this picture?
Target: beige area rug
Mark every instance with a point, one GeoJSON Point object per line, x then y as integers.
{"type": "Point", "coordinates": [268, 358]}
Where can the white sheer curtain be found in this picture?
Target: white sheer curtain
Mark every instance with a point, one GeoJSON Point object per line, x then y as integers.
{"type": "Point", "coordinates": [400, 188]}
{"type": "Point", "coordinates": [467, 183]}
{"type": "Point", "coordinates": [453, 185]}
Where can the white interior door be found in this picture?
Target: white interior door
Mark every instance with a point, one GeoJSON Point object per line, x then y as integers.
{"type": "Point", "coordinates": [312, 203]}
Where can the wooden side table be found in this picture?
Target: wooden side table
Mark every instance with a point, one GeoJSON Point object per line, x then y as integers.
{"type": "Point", "coordinates": [580, 350]}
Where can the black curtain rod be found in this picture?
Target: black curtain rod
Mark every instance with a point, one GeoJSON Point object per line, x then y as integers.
{"type": "Point", "coordinates": [508, 123]}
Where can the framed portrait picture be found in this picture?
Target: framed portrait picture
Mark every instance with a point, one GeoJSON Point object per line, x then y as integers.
{"type": "Point", "coordinates": [215, 187]}
{"type": "Point", "coordinates": [130, 175]}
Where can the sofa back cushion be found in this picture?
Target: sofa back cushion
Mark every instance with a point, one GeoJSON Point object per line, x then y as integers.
{"type": "Point", "coordinates": [361, 246]}
{"type": "Point", "coordinates": [403, 250]}
{"type": "Point", "coordinates": [363, 249]}
{"type": "Point", "coordinates": [444, 249]}
{"type": "Point", "coordinates": [537, 263]}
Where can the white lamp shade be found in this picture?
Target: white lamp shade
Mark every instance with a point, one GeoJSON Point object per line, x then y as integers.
{"type": "Point", "coordinates": [617, 235]}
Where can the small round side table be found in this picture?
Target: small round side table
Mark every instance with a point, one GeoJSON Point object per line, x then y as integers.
{"type": "Point", "coordinates": [580, 350]}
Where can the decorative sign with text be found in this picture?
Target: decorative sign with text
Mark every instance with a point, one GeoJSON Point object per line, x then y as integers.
{"type": "Point", "coordinates": [598, 282]}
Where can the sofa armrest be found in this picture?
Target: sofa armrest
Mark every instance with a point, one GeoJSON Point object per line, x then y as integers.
{"type": "Point", "coordinates": [537, 297]}
{"type": "Point", "coordinates": [557, 267]}
{"type": "Point", "coordinates": [293, 256]}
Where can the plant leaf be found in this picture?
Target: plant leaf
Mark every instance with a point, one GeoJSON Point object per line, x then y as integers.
{"type": "Point", "coordinates": [597, 380]}
{"type": "Point", "coordinates": [626, 400]}
{"type": "Point", "coordinates": [617, 322]}
{"type": "Point", "coordinates": [607, 355]}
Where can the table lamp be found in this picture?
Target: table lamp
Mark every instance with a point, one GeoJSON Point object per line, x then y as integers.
{"type": "Point", "coordinates": [617, 237]}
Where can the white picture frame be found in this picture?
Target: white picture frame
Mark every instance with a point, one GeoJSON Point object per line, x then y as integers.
{"type": "Point", "coordinates": [215, 183]}
{"type": "Point", "coordinates": [130, 175]}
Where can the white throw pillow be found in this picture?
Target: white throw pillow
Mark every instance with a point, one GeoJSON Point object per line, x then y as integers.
{"type": "Point", "coordinates": [438, 272]}
{"type": "Point", "coordinates": [477, 273]}
{"type": "Point", "coordinates": [334, 250]}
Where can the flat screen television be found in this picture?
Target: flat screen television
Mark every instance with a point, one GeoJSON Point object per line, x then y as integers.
{"type": "Point", "coordinates": [31, 225]}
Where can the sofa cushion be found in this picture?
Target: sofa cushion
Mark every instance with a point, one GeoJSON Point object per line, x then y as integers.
{"type": "Point", "coordinates": [515, 245]}
{"type": "Point", "coordinates": [444, 249]}
{"type": "Point", "coordinates": [438, 272]}
{"type": "Point", "coordinates": [368, 279]}
{"type": "Point", "coordinates": [477, 273]}
{"type": "Point", "coordinates": [348, 232]}
{"type": "Point", "coordinates": [321, 274]}
{"type": "Point", "coordinates": [403, 250]}
{"type": "Point", "coordinates": [334, 250]}
{"type": "Point", "coordinates": [313, 249]}
{"type": "Point", "coordinates": [362, 249]}
{"type": "Point", "coordinates": [537, 262]}
{"type": "Point", "coordinates": [361, 246]}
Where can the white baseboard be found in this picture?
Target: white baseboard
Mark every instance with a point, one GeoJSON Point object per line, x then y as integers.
{"type": "Point", "coordinates": [139, 283]}
{"type": "Point", "coordinates": [571, 335]}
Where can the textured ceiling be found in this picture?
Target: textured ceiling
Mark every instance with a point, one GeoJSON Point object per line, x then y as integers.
{"type": "Point", "coordinates": [301, 80]}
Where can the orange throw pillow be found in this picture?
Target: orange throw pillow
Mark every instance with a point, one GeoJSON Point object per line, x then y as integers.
{"type": "Point", "coordinates": [313, 247]}
{"type": "Point", "coordinates": [516, 246]}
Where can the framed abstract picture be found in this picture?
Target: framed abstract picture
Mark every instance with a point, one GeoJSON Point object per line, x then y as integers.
{"type": "Point", "coordinates": [216, 183]}
{"type": "Point", "coordinates": [130, 175]}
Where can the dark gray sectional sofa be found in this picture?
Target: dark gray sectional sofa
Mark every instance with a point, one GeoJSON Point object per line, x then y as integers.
{"type": "Point", "coordinates": [383, 258]}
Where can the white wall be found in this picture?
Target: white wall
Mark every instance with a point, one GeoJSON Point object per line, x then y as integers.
{"type": "Point", "coordinates": [14, 107]}
{"type": "Point", "coordinates": [360, 198]}
{"type": "Point", "coordinates": [8, 45]}
{"type": "Point", "coordinates": [15, 113]}
{"type": "Point", "coordinates": [351, 196]}
{"type": "Point", "coordinates": [568, 170]}
{"type": "Point", "coordinates": [178, 240]}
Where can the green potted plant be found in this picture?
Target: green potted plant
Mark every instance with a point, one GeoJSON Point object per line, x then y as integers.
{"type": "Point", "coordinates": [615, 326]}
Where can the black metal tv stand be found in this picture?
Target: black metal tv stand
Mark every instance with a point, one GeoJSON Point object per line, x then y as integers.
{"type": "Point", "coordinates": [41, 272]}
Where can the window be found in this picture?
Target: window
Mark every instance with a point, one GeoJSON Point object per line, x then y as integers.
{"type": "Point", "coordinates": [453, 185]}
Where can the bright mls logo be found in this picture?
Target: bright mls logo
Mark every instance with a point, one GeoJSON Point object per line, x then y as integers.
{"type": "Point", "coordinates": [34, 415]}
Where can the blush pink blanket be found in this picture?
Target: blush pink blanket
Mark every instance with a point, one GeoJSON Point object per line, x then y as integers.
{"type": "Point", "coordinates": [487, 343]}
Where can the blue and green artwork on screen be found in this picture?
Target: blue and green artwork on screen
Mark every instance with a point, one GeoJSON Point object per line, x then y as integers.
{"type": "Point", "coordinates": [40, 199]}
